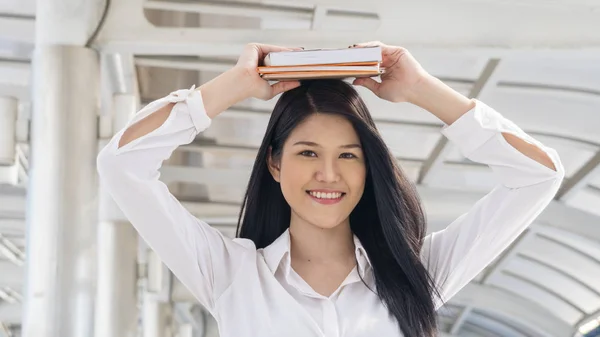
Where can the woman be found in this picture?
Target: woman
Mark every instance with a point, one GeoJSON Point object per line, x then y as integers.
{"type": "Point", "coordinates": [331, 241]}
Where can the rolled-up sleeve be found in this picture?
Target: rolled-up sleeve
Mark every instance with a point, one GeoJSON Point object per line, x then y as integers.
{"type": "Point", "coordinates": [200, 256]}
{"type": "Point", "coordinates": [456, 254]}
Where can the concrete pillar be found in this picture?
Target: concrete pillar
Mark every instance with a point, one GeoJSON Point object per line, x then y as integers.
{"type": "Point", "coordinates": [157, 319]}
{"type": "Point", "coordinates": [116, 305]}
{"type": "Point", "coordinates": [157, 303]}
{"type": "Point", "coordinates": [9, 107]}
{"type": "Point", "coordinates": [62, 192]}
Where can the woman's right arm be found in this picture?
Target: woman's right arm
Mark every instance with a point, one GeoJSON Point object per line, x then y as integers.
{"type": "Point", "coordinates": [199, 255]}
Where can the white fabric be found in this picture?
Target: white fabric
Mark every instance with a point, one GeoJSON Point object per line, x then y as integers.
{"type": "Point", "coordinates": [254, 292]}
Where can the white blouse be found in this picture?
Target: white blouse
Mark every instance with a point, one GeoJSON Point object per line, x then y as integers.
{"type": "Point", "coordinates": [255, 292]}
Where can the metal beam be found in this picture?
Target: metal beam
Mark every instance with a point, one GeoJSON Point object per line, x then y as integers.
{"type": "Point", "coordinates": [12, 275]}
{"type": "Point", "coordinates": [518, 309]}
{"type": "Point", "coordinates": [570, 219]}
{"type": "Point", "coordinates": [10, 313]}
{"type": "Point", "coordinates": [178, 41]}
{"type": "Point", "coordinates": [12, 206]}
{"type": "Point", "coordinates": [588, 318]}
{"type": "Point", "coordinates": [17, 73]}
{"type": "Point", "coordinates": [127, 30]}
{"type": "Point", "coordinates": [245, 9]}
{"type": "Point", "coordinates": [119, 82]}
{"type": "Point", "coordinates": [184, 63]}
{"type": "Point", "coordinates": [122, 73]}
{"type": "Point", "coordinates": [17, 29]}
{"type": "Point", "coordinates": [445, 334]}
{"type": "Point", "coordinates": [580, 179]}
{"type": "Point", "coordinates": [458, 323]}
{"type": "Point", "coordinates": [12, 226]}
{"type": "Point", "coordinates": [441, 149]}
{"type": "Point", "coordinates": [20, 92]}
{"type": "Point", "coordinates": [495, 326]}
{"type": "Point", "coordinates": [213, 213]}
{"type": "Point", "coordinates": [22, 8]}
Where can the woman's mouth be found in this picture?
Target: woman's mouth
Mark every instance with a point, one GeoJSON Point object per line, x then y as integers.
{"type": "Point", "coordinates": [326, 198]}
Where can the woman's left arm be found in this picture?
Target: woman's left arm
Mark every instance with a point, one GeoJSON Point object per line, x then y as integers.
{"type": "Point", "coordinates": [528, 172]}
{"type": "Point", "coordinates": [529, 176]}
{"type": "Point", "coordinates": [449, 105]}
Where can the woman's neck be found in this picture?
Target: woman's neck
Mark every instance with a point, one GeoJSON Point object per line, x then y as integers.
{"type": "Point", "coordinates": [312, 243]}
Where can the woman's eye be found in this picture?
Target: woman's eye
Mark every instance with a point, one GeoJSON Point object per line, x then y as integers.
{"type": "Point", "coordinates": [347, 155]}
{"type": "Point", "coordinates": [308, 153]}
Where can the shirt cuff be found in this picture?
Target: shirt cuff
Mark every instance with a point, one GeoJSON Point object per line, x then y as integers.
{"type": "Point", "coordinates": [195, 103]}
{"type": "Point", "coordinates": [476, 127]}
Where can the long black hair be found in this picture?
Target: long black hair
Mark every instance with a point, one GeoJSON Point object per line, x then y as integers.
{"type": "Point", "coordinates": [388, 220]}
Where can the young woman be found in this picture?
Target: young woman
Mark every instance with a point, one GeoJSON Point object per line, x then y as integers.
{"type": "Point", "coordinates": [331, 240]}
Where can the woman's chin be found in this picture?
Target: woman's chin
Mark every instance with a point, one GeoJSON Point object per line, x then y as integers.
{"type": "Point", "coordinates": [326, 223]}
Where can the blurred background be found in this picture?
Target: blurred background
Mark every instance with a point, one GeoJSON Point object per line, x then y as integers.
{"type": "Point", "coordinates": [72, 72]}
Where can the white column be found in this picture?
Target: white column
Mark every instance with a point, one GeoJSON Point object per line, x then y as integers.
{"type": "Point", "coordinates": [62, 192]}
{"type": "Point", "coordinates": [116, 306]}
{"type": "Point", "coordinates": [8, 119]}
{"type": "Point", "coordinates": [116, 300]}
{"type": "Point", "coordinates": [157, 319]}
{"type": "Point", "coordinates": [157, 303]}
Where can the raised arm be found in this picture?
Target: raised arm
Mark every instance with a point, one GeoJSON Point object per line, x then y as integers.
{"type": "Point", "coordinates": [529, 174]}
{"type": "Point", "coordinates": [204, 260]}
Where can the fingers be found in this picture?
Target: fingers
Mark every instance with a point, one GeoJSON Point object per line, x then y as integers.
{"type": "Point", "coordinates": [264, 49]}
{"type": "Point", "coordinates": [390, 54]}
{"type": "Point", "coordinates": [368, 83]}
{"type": "Point", "coordinates": [283, 86]}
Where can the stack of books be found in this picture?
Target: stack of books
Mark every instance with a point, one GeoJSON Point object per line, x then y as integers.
{"type": "Point", "coordinates": [322, 63]}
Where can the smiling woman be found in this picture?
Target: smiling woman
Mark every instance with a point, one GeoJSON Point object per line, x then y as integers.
{"type": "Point", "coordinates": [321, 141]}
{"type": "Point", "coordinates": [331, 237]}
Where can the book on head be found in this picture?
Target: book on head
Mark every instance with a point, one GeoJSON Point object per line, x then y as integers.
{"type": "Point", "coordinates": [323, 56]}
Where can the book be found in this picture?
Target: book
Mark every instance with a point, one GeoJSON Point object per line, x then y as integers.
{"type": "Point", "coordinates": [322, 63]}
{"type": "Point", "coordinates": [323, 56]}
{"type": "Point", "coordinates": [304, 75]}
{"type": "Point", "coordinates": [346, 68]}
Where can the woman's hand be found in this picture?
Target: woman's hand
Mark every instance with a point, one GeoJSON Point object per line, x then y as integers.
{"type": "Point", "coordinates": [406, 81]}
{"type": "Point", "coordinates": [402, 77]}
{"type": "Point", "coordinates": [249, 60]}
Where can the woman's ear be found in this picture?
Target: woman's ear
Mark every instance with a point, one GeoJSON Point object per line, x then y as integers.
{"type": "Point", "coordinates": [273, 165]}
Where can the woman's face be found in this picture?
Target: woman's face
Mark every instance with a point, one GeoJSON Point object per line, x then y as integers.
{"type": "Point", "coordinates": [321, 170]}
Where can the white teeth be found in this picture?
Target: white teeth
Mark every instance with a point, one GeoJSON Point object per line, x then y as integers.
{"type": "Point", "coordinates": [323, 195]}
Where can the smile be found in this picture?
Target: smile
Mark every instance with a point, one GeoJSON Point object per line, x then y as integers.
{"type": "Point", "coordinates": [326, 198]}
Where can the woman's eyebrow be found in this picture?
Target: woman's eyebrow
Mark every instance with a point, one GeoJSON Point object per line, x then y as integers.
{"type": "Point", "coordinates": [347, 146]}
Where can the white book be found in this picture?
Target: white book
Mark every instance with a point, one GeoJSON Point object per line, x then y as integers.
{"type": "Point", "coordinates": [323, 56]}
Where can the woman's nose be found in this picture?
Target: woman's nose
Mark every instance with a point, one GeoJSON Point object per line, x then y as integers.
{"type": "Point", "coordinates": [328, 172]}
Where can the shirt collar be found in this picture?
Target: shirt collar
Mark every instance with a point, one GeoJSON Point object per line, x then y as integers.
{"type": "Point", "coordinates": [361, 256]}
{"type": "Point", "coordinates": [275, 252]}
